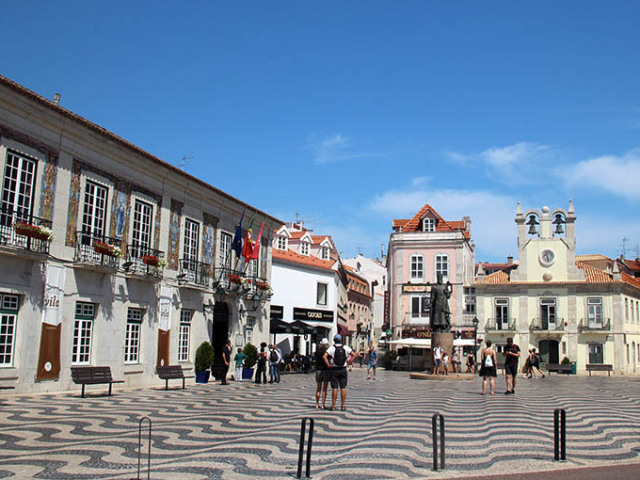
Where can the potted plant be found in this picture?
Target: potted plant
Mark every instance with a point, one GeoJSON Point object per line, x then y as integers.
{"type": "Point", "coordinates": [567, 361]}
{"type": "Point", "coordinates": [104, 248]}
{"type": "Point", "coordinates": [204, 359]}
{"type": "Point", "coordinates": [250, 351]}
{"type": "Point", "coordinates": [154, 261]}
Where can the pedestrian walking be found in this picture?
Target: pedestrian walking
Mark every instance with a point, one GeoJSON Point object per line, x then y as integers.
{"type": "Point", "coordinates": [471, 363]}
{"type": "Point", "coordinates": [488, 370]}
{"type": "Point", "coordinates": [511, 356]}
{"type": "Point", "coordinates": [239, 359]}
{"type": "Point", "coordinates": [274, 360]}
{"type": "Point", "coordinates": [534, 363]}
{"type": "Point", "coordinates": [455, 362]}
{"type": "Point", "coordinates": [372, 364]}
{"type": "Point", "coordinates": [226, 360]}
{"type": "Point", "coordinates": [323, 373]}
{"type": "Point", "coordinates": [336, 358]}
{"type": "Point", "coordinates": [437, 359]}
{"type": "Point", "coordinates": [261, 370]}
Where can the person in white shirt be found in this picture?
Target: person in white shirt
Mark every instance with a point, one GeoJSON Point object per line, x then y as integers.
{"type": "Point", "coordinates": [437, 359]}
{"type": "Point", "coordinates": [336, 358]}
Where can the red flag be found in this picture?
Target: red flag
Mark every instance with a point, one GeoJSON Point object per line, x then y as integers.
{"type": "Point", "coordinates": [256, 247]}
{"type": "Point", "coordinates": [247, 248]}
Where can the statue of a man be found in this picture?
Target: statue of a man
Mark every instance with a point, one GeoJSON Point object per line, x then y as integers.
{"type": "Point", "coordinates": [440, 313]}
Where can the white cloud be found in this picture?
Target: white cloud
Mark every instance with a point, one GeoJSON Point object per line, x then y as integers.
{"type": "Point", "coordinates": [617, 175]}
{"type": "Point", "coordinates": [335, 148]}
{"type": "Point", "coordinates": [510, 164]}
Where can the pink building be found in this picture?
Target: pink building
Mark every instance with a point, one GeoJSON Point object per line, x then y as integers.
{"type": "Point", "coordinates": [419, 249]}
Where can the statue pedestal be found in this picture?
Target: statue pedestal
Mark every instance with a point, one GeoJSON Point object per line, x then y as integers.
{"type": "Point", "coordinates": [445, 339]}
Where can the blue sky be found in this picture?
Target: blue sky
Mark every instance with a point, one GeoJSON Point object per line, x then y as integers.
{"type": "Point", "coordinates": [350, 114]}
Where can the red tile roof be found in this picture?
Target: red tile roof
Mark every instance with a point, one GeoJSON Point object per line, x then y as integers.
{"type": "Point", "coordinates": [442, 225]}
{"type": "Point", "coordinates": [310, 261]}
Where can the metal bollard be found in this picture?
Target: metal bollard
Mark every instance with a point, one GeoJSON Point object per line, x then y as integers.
{"type": "Point", "coordinates": [309, 444]}
{"type": "Point", "coordinates": [559, 435]}
{"type": "Point", "coordinates": [140, 448]}
{"type": "Point", "coordinates": [434, 434]}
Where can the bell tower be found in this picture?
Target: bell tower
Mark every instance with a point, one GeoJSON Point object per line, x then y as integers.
{"type": "Point", "coordinates": [546, 245]}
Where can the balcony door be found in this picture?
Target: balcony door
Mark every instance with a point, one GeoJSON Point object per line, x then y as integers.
{"type": "Point", "coordinates": [17, 189]}
{"type": "Point", "coordinates": [141, 234]}
{"type": "Point", "coordinates": [190, 249]}
{"type": "Point", "coordinates": [94, 213]}
{"type": "Point", "coordinates": [502, 313]}
{"type": "Point", "coordinates": [548, 313]}
{"type": "Point", "coordinates": [594, 312]}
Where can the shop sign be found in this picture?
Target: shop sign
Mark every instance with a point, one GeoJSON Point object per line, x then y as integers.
{"type": "Point", "coordinates": [414, 289]}
{"type": "Point", "coordinates": [306, 314]}
{"type": "Point", "coordinates": [417, 333]}
{"type": "Point", "coordinates": [276, 311]}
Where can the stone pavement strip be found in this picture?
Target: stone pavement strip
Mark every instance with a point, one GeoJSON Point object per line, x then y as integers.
{"type": "Point", "coordinates": [247, 431]}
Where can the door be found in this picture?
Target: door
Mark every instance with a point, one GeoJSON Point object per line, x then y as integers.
{"type": "Point", "coordinates": [502, 313]}
{"type": "Point", "coordinates": [548, 314]}
{"type": "Point", "coordinates": [596, 353]}
{"type": "Point", "coordinates": [220, 331]}
{"type": "Point", "coordinates": [549, 351]}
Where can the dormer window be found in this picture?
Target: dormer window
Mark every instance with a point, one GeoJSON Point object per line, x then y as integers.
{"type": "Point", "coordinates": [282, 243]}
{"type": "Point", "coordinates": [428, 224]}
{"type": "Point", "coordinates": [304, 248]}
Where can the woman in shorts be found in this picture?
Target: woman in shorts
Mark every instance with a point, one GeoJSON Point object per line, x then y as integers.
{"type": "Point", "coordinates": [488, 370]}
{"type": "Point", "coordinates": [322, 374]}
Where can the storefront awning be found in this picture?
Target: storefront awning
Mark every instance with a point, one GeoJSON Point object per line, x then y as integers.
{"type": "Point", "coordinates": [412, 342]}
{"type": "Point", "coordinates": [297, 327]}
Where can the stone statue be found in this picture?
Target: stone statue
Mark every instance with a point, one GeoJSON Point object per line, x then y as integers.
{"type": "Point", "coordinates": [440, 313]}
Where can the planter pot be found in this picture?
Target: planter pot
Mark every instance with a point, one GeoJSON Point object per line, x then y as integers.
{"type": "Point", "coordinates": [104, 250]}
{"type": "Point", "coordinates": [247, 373]}
{"type": "Point", "coordinates": [150, 260]}
{"type": "Point", "coordinates": [202, 377]}
{"type": "Point", "coordinates": [27, 232]}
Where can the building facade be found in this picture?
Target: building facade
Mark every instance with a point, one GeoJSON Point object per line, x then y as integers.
{"type": "Point", "coordinates": [582, 307]}
{"type": "Point", "coordinates": [111, 256]}
{"type": "Point", "coordinates": [420, 248]}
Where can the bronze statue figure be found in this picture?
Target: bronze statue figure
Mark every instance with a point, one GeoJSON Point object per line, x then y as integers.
{"type": "Point", "coordinates": [439, 303]}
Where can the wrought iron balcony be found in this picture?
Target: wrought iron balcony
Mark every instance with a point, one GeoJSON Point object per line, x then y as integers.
{"type": "Point", "coordinates": [25, 232]}
{"type": "Point", "coordinates": [500, 325]}
{"type": "Point", "coordinates": [547, 325]}
{"type": "Point", "coordinates": [194, 272]}
{"type": "Point", "coordinates": [144, 261]}
{"type": "Point", "coordinates": [227, 280]}
{"type": "Point", "coordinates": [594, 325]}
{"type": "Point", "coordinates": [99, 250]}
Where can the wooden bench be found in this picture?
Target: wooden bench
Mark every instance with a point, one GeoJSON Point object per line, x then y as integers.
{"type": "Point", "coordinates": [559, 368]}
{"type": "Point", "coordinates": [170, 372]}
{"type": "Point", "coordinates": [599, 367]}
{"type": "Point", "coordinates": [93, 376]}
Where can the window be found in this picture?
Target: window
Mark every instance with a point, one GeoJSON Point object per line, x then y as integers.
{"type": "Point", "coordinates": [469, 300]}
{"type": "Point", "coordinates": [141, 238]}
{"type": "Point", "coordinates": [596, 353]}
{"type": "Point", "coordinates": [594, 312]}
{"type": "Point", "coordinates": [420, 307]}
{"type": "Point", "coordinates": [94, 212]}
{"type": "Point", "coordinates": [304, 248]}
{"type": "Point", "coordinates": [428, 224]}
{"type": "Point", "coordinates": [417, 268]}
{"type": "Point", "coordinates": [82, 330]}
{"type": "Point", "coordinates": [190, 248]}
{"type": "Point", "coordinates": [8, 320]}
{"type": "Point", "coordinates": [502, 313]}
{"type": "Point", "coordinates": [17, 189]}
{"type": "Point", "coordinates": [281, 243]}
{"type": "Point", "coordinates": [442, 266]}
{"type": "Point", "coordinates": [184, 335]}
{"type": "Point", "coordinates": [626, 310]}
{"type": "Point", "coordinates": [132, 336]}
{"type": "Point", "coordinates": [248, 329]}
{"type": "Point", "coordinates": [321, 297]}
{"type": "Point", "coordinates": [548, 313]}
{"type": "Point", "coordinates": [325, 253]}
{"type": "Point", "coordinates": [225, 250]}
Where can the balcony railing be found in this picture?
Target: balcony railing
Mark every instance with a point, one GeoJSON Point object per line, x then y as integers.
{"type": "Point", "coordinates": [144, 261]}
{"type": "Point", "coordinates": [547, 325]}
{"type": "Point", "coordinates": [595, 325]}
{"type": "Point", "coordinates": [194, 272]}
{"type": "Point", "coordinates": [94, 249]}
{"type": "Point", "coordinates": [500, 324]}
{"type": "Point", "coordinates": [28, 238]}
{"type": "Point", "coordinates": [227, 280]}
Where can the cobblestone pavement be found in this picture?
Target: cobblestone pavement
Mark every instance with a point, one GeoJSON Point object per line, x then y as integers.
{"type": "Point", "coordinates": [246, 431]}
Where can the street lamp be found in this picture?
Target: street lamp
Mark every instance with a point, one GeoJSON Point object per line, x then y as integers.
{"type": "Point", "coordinates": [475, 322]}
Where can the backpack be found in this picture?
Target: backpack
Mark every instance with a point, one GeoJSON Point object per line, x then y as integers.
{"type": "Point", "coordinates": [488, 361]}
{"type": "Point", "coordinates": [340, 357]}
{"type": "Point", "coordinates": [273, 356]}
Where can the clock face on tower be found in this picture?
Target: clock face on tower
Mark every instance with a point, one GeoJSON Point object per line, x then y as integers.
{"type": "Point", "coordinates": [547, 257]}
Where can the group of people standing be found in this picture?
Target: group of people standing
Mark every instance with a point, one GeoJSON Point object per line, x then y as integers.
{"type": "Point", "coordinates": [489, 367]}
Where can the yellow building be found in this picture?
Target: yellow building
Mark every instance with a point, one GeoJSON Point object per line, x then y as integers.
{"type": "Point", "coordinates": [582, 307]}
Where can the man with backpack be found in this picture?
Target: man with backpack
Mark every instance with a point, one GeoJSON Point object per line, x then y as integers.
{"type": "Point", "coordinates": [274, 360]}
{"type": "Point", "coordinates": [336, 358]}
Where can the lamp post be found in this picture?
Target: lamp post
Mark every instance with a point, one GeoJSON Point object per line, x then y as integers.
{"type": "Point", "coordinates": [475, 341]}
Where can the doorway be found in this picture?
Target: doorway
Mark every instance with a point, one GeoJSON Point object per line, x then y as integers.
{"type": "Point", "coordinates": [549, 351]}
{"type": "Point", "coordinates": [220, 330]}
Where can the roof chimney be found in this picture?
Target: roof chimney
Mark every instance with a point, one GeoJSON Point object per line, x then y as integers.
{"type": "Point", "coordinates": [56, 98]}
{"type": "Point", "coordinates": [509, 260]}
